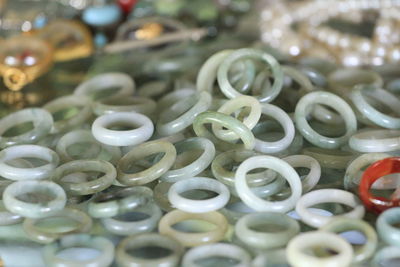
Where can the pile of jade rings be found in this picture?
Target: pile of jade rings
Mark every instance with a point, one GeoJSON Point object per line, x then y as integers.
{"type": "Point", "coordinates": [254, 162]}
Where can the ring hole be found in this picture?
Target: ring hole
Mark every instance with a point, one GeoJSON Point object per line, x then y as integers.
{"type": "Point", "coordinates": [321, 251]}
{"type": "Point", "coordinates": [78, 254]}
{"type": "Point", "coordinates": [330, 130]}
{"type": "Point", "coordinates": [105, 92]}
{"type": "Point", "coordinates": [84, 150]}
{"type": "Point", "coordinates": [333, 208]}
{"type": "Point", "coordinates": [199, 194]}
{"type": "Point", "coordinates": [82, 177]}
{"type": "Point", "coordinates": [194, 226]}
{"type": "Point", "coordinates": [186, 158]}
{"type": "Point", "coordinates": [57, 224]}
{"type": "Point", "coordinates": [150, 252]}
{"type": "Point", "coordinates": [19, 129]}
{"type": "Point", "coordinates": [133, 216]}
{"type": "Point", "coordinates": [268, 130]}
{"type": "Point", "coordinates": [266, 227]}
{"type": "Point", "coordinates": [138, 165]}
{"type": "Point", "coordinates": [239, 207]}
{"type": "Point", "coordinates": [122, 125]}
{"type": "Point", "coordinates": [220, 261]}
{"type": "Point", "coordinates": [39, 196]}
{"type": "Point", "coordinates": [356, 238]}
{"type": "Point", "coordinates": [65, 113]}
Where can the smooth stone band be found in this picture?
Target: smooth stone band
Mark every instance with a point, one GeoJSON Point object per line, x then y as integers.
{"type": "Point", "coordinates": [42, 124]}
{"type": "Point", "coordinates": [106, 81]}
{"type": "Point", "coordinates": [27, 173]}
{"type": "Point", "coordinates": [194, 255]}
{"type": "Point", "coordinates": [363, 252]}
{"type": "Point", "coordinates": [297, 256]}
{"type": "Point", "coordinates": [375, 141]}
{"type": "Point", "coordinates": [64, 222]}
{"type": "Point", "coordinates": [181, 114]}
{"type": "Point", "coordinates": [226, 121]}
{"type": "Point", "coordinates": [69, 102]}
{"type": "Point", "coordinates": [93, 150]}
{"type": "Point", "coordinates": [282, 168]}
{"type": "Point", "coordinates": [184, 149]}
{"type": "Point", "coordinates": [229, 91]}
{"type": "Point", "coordinates": [325, 196]}
{"type": "Point", "coordinates": [151, 173]}
{"type": "Point", "coordinates": [126, 259]}
{"type": "Point", "coordinates": [188, 239]}
{"type": "Point", "coordinates": [387, 230]}
{"type": "Point", "coordinates": [305, 161]}
{"type": "Point", "coordinates": [143, 129]}
{"type": "Point", "coordinates": [116, 200]}
{"type": "Point", "coordinates": [198, 206]}
{"type": "Point", "coordinates": [269, 238]}
{"type": "Point", "coordinates": [103, 259]}
{"type": "Point", "coordinates": [34, 199]}
{"type": "Point", "coordinates": [333, 101]}
{"type": "Point", "coordinates": [287, 124]}
{"type": "Point", "coordinates": [85, 187]}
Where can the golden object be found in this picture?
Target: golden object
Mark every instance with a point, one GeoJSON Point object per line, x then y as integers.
{"type": "Point", "coordinates": [70, 39]}
{"type": "Point", "coordinates": [149, 31]}
{"type": "Point", "coordinates": [23, 59]}
{"type": "Point", "coordinates": [298, 29]}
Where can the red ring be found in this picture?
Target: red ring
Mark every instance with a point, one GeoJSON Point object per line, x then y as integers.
{"type": "Point", "coordinates": [373, 173]}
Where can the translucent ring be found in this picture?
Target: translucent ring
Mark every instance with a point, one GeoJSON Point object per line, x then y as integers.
{"type": "Point", "coordinates": [247, 53]}
{"type": "Point", "coordinates": [96, 150]}
{"type": "Point", "coordinates": [226, 121]}
{"type": "Point", "coordinates": [125, 259]}
{"type": "Point", "coordinates": [87, 187]}
{"type": "Point", "coordinates": [42, 124]}
{"type": "Point", "coordinates": [313, 176]}
{"type": "Point", "coordinates": [104, 82]}
{"type": "Point", "coordinates": [104, 246]}
{"type": "Point", "coordinates": [181, 114]}
{"type": "Point", "coordinates": [216, 250]}
{"type": "Point", "coordinates": [27, 173]}
{"type": "Point", "coordinates": [276, 164]}
{"type": "Point", "coordinates": [184, 149]}
{"type": "Point", "coordinates": [287, 124]}
{"type": "Point", "coordinates": [67, 103]}
{"type": "Point", "coordinates": [385, 226]}
{"type": "Point", "coordinates": [236, 104]}
{"type": "Point", "coordinates": [193, 239]}
{"type": "Point", "coordinates": [122, 138]}
{"type": "Point", "coordinates": [266, 240]}
{"type": "Point", "coordinates": [333, 101]}
{"type": "Point", "coordinates": [115, 200]}
{"type": "Point", "coordinates": [151, 173]}
{"type": "Point", "coordinates": [325, 196]}
{"type": "Point", "coordinates": [296, 248]}
{"type": "Point", "coordinates": [122, 225]}
{"type": "Point", "coordinates": [375, 141]}
{"type": "Point", "coordinates": [74, 221]}
{"type": "Point", "coordinates": [341, 224]}
{"type": "Point", "coordinates": [198, 206]}
{"type": "Point", "coordinates": [21, 198]}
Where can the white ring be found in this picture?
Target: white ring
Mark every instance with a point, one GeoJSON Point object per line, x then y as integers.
{"type": "Point", "coordinates": [326, 196]}
{"type": "Point", "coordinates": [375, 141]}
{"type": "Point", "coordinates": [106, 81]}
{"type": "Point", "coordinates": [215, 250]}
{"type": "Point", "coordinates": [313, 176]}
{"type": "Point", "coordinates": [287, 124]}
{"type": "Point", "coordinates": [27, 151]}
{"type": "Point", "coordinates": [198, 206]}
{"type": "Point", "coordinates": [276, 164]}
{"type": "Point", "coordinates": [122, 138]}
{"type": "Point", "coordinates": [297, 257]}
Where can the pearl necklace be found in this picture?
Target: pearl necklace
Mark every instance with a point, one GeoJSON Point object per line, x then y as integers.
{"type": "Point", "coordinates": [297, 29]}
